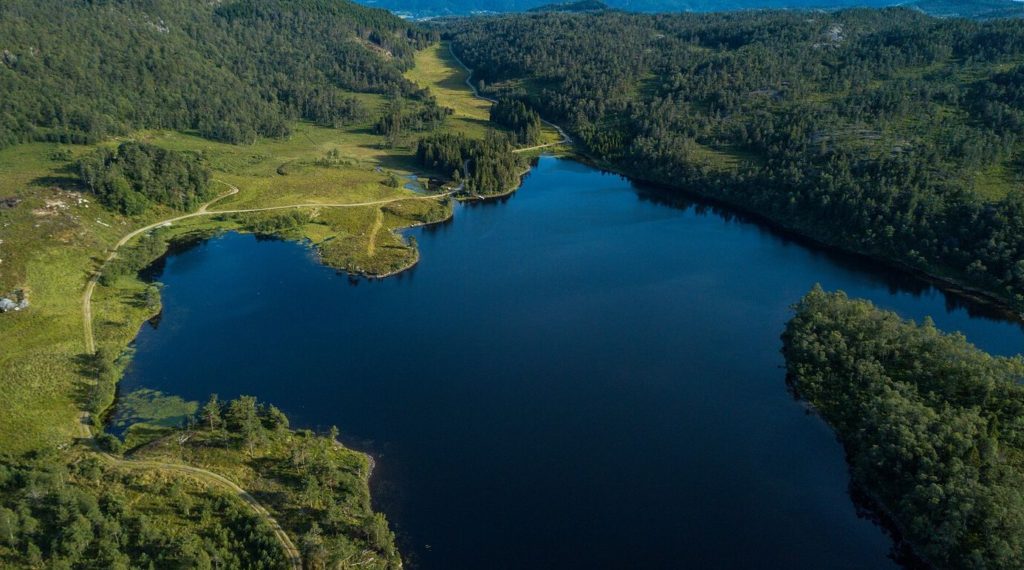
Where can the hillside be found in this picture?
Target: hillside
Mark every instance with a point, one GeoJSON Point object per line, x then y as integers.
{"type": "Point", "coordinates": [581, 6]}
{"type": "Point", "coordinates": [887, 133]}
{"type": "Point", "coordinates": [82, 71]}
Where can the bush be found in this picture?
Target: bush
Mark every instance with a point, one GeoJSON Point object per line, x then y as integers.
{"type": "Point", "coordinates": [109, 443]}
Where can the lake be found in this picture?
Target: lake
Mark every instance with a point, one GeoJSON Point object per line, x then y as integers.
{"type": "Point", "coordinates": [584, 375]}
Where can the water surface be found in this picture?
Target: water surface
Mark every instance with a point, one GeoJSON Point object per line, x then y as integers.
{"type": "Point", "coordinates": [582, 376]}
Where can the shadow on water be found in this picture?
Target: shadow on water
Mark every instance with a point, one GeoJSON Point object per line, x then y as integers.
{"type": "Point", "coordinates": [896, 279]}
{"type": "Point", "coordinates": [902, 553]}
{"type": "Point", "coordinates": [177, 246]}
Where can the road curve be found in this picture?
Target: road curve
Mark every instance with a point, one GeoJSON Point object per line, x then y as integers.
{"type": "Point", "coordinates": [90, 286]}
{"type": "Point", "coordinates": [566, 139]}
{"type": "Point", "coordinates": [291, 551]}
{"type": "Point", "coordinates": [211, 478]}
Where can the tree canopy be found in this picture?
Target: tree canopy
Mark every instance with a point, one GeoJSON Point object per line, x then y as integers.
{"type": "Point", "coordinates": [886, 132]}
{"type": "Point", "coordinates": [135, 175]}
{"type": "Point", "coordinates": [933, 427]}
{"type": "Point", "coordinates": [80, 71]}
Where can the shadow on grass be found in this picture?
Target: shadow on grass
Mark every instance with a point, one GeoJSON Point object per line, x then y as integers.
{"type": "Point", "coordinates": [482, 123]}
{"type": "Point", "coordinates": [88, 367]}
{"type": "Point", "coordinates": [66, 178]}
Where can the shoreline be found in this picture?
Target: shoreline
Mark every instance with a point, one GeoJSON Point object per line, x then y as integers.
{"type": "Point", "coordinates": [945, 284]}
{"type": "Point", "coordinates": [416, 251]}
{"type": "Point", "coordinates": [503, 194]}
{"type": "Point", "coordinates": [948, 285]}
{"type": "Point", "coordinates": [193, 237]}
{"type": "Point", "coordinates": [904, 552]}
{"type": "Point", "coordinates": [565, 140]}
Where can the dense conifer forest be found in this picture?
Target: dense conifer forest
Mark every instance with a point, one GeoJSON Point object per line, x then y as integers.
{"type": "Point", "coordinates": [932, 426]}
{"type": "Point", "coordinates": [486, 167]}
{"type": "Point", "coordinates": [887, 132]}
{"type": "Point", "coordinates": [80, 71]}
{"type": "Point", "coordinates": [523, 121]}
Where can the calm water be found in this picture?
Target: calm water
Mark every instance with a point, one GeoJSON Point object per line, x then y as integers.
{"type": "Point", "coordinates": [583, 376]}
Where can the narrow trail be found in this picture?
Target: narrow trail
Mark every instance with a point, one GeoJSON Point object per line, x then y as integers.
{"type": "Point", "coordinates": [216, 480]}
{"type": "Point", "coordinates": [90, 286]}
{"type": "Point", "coordinates": [210, 478]}
{"type": "Point", "coordinates": [566, 139]}
{"type": "Point", "coordinates": [378, 222]}
{"type": "Point", "coordinates": [292, 553]}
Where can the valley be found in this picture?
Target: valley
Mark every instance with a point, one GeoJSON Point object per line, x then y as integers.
{"type": "Point", "coordinates": [522, 276]}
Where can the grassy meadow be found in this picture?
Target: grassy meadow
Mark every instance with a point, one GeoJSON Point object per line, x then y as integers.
{"type": "Point", "coordinates": [438, 70]}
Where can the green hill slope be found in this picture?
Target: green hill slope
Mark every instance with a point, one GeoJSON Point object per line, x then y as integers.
{"type": "Point", "coordinates": [884, 132]}
{"type": "Point", "coordinates": [81, 71]}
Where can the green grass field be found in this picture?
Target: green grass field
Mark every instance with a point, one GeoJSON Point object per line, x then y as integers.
{"type": "Point", "coordinates": [437, 70]}
{"type": "Point", "coordinates": [53, 239]}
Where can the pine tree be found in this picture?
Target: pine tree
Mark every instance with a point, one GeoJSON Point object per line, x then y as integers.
{"type": "Point", "coordinates": [211, 412]}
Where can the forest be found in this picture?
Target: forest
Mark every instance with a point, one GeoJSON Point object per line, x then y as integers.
{"type": "Point", "coordinates": [90, 513]}
{"type": "Point", "coordinates": [402, 117]}
{"type": "Point", "coordinates": [486, 167]}
{"type": "Point", "coordinates": [933, 427]}
{"type": "Point", "coordinates": [78, 72]}
{"type": "Point", "coordinates": [316, 488]}
{"type": "Point", "coordinates": [885, 132]}
{"type": "Point", "coordinates": [85, 514]}
{"type": "Point", "coordinates": [135, 175]}
{"type": "Point", "coordinates": [522, 121]}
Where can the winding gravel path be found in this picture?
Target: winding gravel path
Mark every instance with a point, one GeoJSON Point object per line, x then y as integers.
{"type": "Point", "coordinates": [217, 480]}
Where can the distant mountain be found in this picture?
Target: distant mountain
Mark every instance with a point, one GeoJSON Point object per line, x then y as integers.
{"type": "Point", "coordinates": [977, 9]}
{"type": "Point", "coordinates": [580, 6]}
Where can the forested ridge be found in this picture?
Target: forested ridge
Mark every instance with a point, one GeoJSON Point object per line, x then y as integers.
{"type": "Point", "coordinates": [944, 8]}
{"type": "Point", "coordinates": [933, 427]}
{"type": "Point", "coordinates": [80, 71]}
{"type": "Point", "coordinates": [884, 132]}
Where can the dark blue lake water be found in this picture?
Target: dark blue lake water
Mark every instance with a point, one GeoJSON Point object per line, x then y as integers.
{"type": "Point", "coordinates": [583, 376]}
